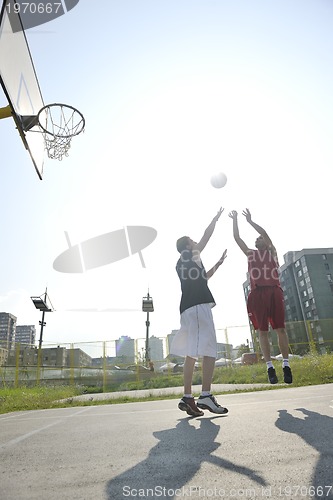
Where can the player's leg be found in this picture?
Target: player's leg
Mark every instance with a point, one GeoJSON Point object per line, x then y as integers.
{"type": "Point", "coordinates": [208, 365]}
{"type": "Point", "coordinates": [208, 349]}
{"type": "Point", "coordinates": [278, 323]}
{"type": "Point", "coordinates": [266, 352]}
{"type": "Point", "coordinates": [264, 345]}
{"type": "Point", "coordinates": [258, 307]}
{"type": "Point", "coordinates": [207, 401]}
{"type": "Point", "coordinates": [188, 374]}
{"type": "Point", "coordinates": [187, 403]}
{"type": "Point", "coordinates": [283, 342]}
{"type": "Point", "coordinates": [284, 349]}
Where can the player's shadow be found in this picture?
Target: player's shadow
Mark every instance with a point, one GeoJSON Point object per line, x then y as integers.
{"type": "Point", "coordinates": [316, 430]}
{"type": "Point", "coordinates": [175, 459]}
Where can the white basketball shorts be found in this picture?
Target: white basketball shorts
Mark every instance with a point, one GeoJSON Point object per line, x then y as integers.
{"type": "Point", "coordinates": [197, 335]}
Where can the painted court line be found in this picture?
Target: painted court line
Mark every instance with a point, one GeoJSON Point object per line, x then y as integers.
{"type": "Point", "coordinates": [26, 436]}
{"type": "Point", "coordinates": [40, 429]}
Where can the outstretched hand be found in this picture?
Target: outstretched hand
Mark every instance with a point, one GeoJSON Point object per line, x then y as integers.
{"type": "Point", "coordinates": [217, 216]}
{"type": "Point", "coordinates": [247, 215]}
{"type": "Point", "coordinates": [233, 214]}
{"type": "Point", "coordinates": [224, 256]}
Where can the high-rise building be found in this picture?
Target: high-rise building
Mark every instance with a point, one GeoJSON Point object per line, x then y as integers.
{"type": "Point", "coordinates": [25, 334]}
{"type": "Point", "coordinates": [307, 282]}
{"type": "Point", "coordinates": [7, 330]}
{"type": "Point", "coordinates": [125, 349]}
{"type": "Point", "coordinates": [155, 348]}
{"type": "Point", "coordinates": [169, 340]}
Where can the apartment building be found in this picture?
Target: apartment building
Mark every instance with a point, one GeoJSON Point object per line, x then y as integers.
{"type": "Point", "coordinates": [307, 283]}
{"type": "Point", "coordinates": [25, 334]}
{"type": "Point", "coordinates": [125, 349]}
{"type": "Point", "coordinates": [156, 348]}
{"type": "Point", "coordinates": [7, 330]}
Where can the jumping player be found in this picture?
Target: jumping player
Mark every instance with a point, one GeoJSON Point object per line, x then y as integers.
{"type": "Point", "coordinates": [197, 336]}
{"type": "Point", "coordinates": [265, 304]}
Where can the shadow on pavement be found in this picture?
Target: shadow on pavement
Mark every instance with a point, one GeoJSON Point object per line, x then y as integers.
{"type": "Point", "coordinates": [174, 461]}
{"type": "Point", "coordinates": [316, 430]}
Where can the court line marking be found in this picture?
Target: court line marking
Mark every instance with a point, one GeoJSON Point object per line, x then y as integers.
{"type": "Point", "coordinates": [26, 436]}
{"type": "Point", "coordinates": [17, 440]}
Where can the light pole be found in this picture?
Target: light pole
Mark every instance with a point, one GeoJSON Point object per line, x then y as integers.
{"type": "Point", "coordinates": [41, 305]}
{"type": "Point", "coordinates": [147, 306]}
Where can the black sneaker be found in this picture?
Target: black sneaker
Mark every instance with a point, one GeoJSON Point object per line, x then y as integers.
{"type": "Point", "coordinates": [287, 375]}
{"type": "Point", "coordinates": [188, 405]}
{"type": "Point", "coordinates": [210, 403]}
{"type": "Point", "coordinates": [272, 376]}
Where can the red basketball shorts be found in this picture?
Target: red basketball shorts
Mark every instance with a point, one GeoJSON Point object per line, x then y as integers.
{"type": "Point", "coordinates": [265, 305]}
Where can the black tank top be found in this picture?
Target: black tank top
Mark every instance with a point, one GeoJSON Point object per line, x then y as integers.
{"type": "Point", "coordinates": [193, 280]}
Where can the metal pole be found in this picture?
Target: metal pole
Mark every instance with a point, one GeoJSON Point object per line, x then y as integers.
{"type": "Point", "coordinates": [41, 331]}
{"type": "Point", "coordinates": [42, 324]}
{"type": "Point", "coordinates": [147, 338]}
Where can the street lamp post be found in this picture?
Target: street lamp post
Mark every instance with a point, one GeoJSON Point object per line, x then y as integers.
{"type": "Point", "coordinates": [41, 304]}
{"type": "Point", "coordinates": [42, 324]}
{"type": "Point", "coordinates": [147, 306]}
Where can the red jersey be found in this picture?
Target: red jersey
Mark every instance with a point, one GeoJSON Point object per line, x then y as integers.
{"type": "Point", "coordinates": [263, 268]}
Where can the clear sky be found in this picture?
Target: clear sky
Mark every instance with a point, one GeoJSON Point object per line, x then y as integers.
{"type": "Point", "coordinates": [172, 91]}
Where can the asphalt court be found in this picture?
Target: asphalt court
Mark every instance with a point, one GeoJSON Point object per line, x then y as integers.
{"type": "Point", "coordinates": [272, 444]}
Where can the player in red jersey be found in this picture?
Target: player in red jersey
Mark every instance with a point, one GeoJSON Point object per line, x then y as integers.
{"type": "Point", "coordinates": [265, 303]}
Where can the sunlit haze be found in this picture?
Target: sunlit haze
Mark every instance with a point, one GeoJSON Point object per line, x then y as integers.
{"type": "Point", "coordinates": [172, 93]}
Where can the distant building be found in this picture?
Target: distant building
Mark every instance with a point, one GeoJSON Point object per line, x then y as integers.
{"type": "Point", "coordinates": [169, 340]}
{"type": "Point", "coordinates": [77, 357]}
{"type": "Point", "coordinates": [25, 356]}
{"type": "Point", "coordinates": [224, 350]}
{"type": "Point", "coordinates": [125, 350]}
{"type": "Point", "coordinates": [7, 330]}
{"type": "Point", "coordinates": [307, 283]}
{"type": "Point", "coordinates": [59, 357]}
{"type": "Point", "coordinates": [3, 356]}
{"type": "Point", "coordinates": [156, 349]}
{"type": "Point", "coordinates": [54, 356]}
{"type": "Point", "coordinates": [25, 334]}
{"type": "Point", "coordinates": [109, 361]}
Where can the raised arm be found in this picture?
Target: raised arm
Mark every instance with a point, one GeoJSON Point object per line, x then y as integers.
{"type": "Point", "coordinates": [209, 231]}
{"type": "Point", "coordinates": [242, 245]}
{"type": "Point", "coordinates": [217, 265]}
{"type": "Point", "coordinates": [260, 230]}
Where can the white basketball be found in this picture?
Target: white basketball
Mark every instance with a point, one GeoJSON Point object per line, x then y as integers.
{"type": "Point", "coordinates": [218, 180]}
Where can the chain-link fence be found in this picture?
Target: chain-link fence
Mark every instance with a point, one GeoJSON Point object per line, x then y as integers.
{"type": "Point", "coordinates": [108, 364]}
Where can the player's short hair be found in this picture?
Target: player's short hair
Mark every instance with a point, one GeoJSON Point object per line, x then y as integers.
{"type": "Point", "coordinates": [182, 243]}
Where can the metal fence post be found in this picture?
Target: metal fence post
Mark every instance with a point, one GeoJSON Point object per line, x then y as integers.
{"type": "Point", "coordinates": [104, 367]}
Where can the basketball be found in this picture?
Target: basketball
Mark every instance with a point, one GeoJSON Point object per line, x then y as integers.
{"type": "Point", "coordinates": [218, 180]}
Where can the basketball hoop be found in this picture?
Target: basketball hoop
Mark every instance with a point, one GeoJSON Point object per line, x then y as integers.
{"type": "Point", "coordinates": [59, 123]}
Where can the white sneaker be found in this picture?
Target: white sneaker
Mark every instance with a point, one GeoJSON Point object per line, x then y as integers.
{"type": "Point", "coordinates": [210, 403]}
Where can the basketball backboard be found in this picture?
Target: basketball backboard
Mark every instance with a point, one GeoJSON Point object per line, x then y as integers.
{"type": "Point", "coordinates": [19, 81]}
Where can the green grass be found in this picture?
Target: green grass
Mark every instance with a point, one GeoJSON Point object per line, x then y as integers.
{"type": "Point", "coordinates": [311, 370]}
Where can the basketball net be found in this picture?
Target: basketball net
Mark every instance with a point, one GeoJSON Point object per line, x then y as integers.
{"type": "Point", "coordinates": [59, 123]}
